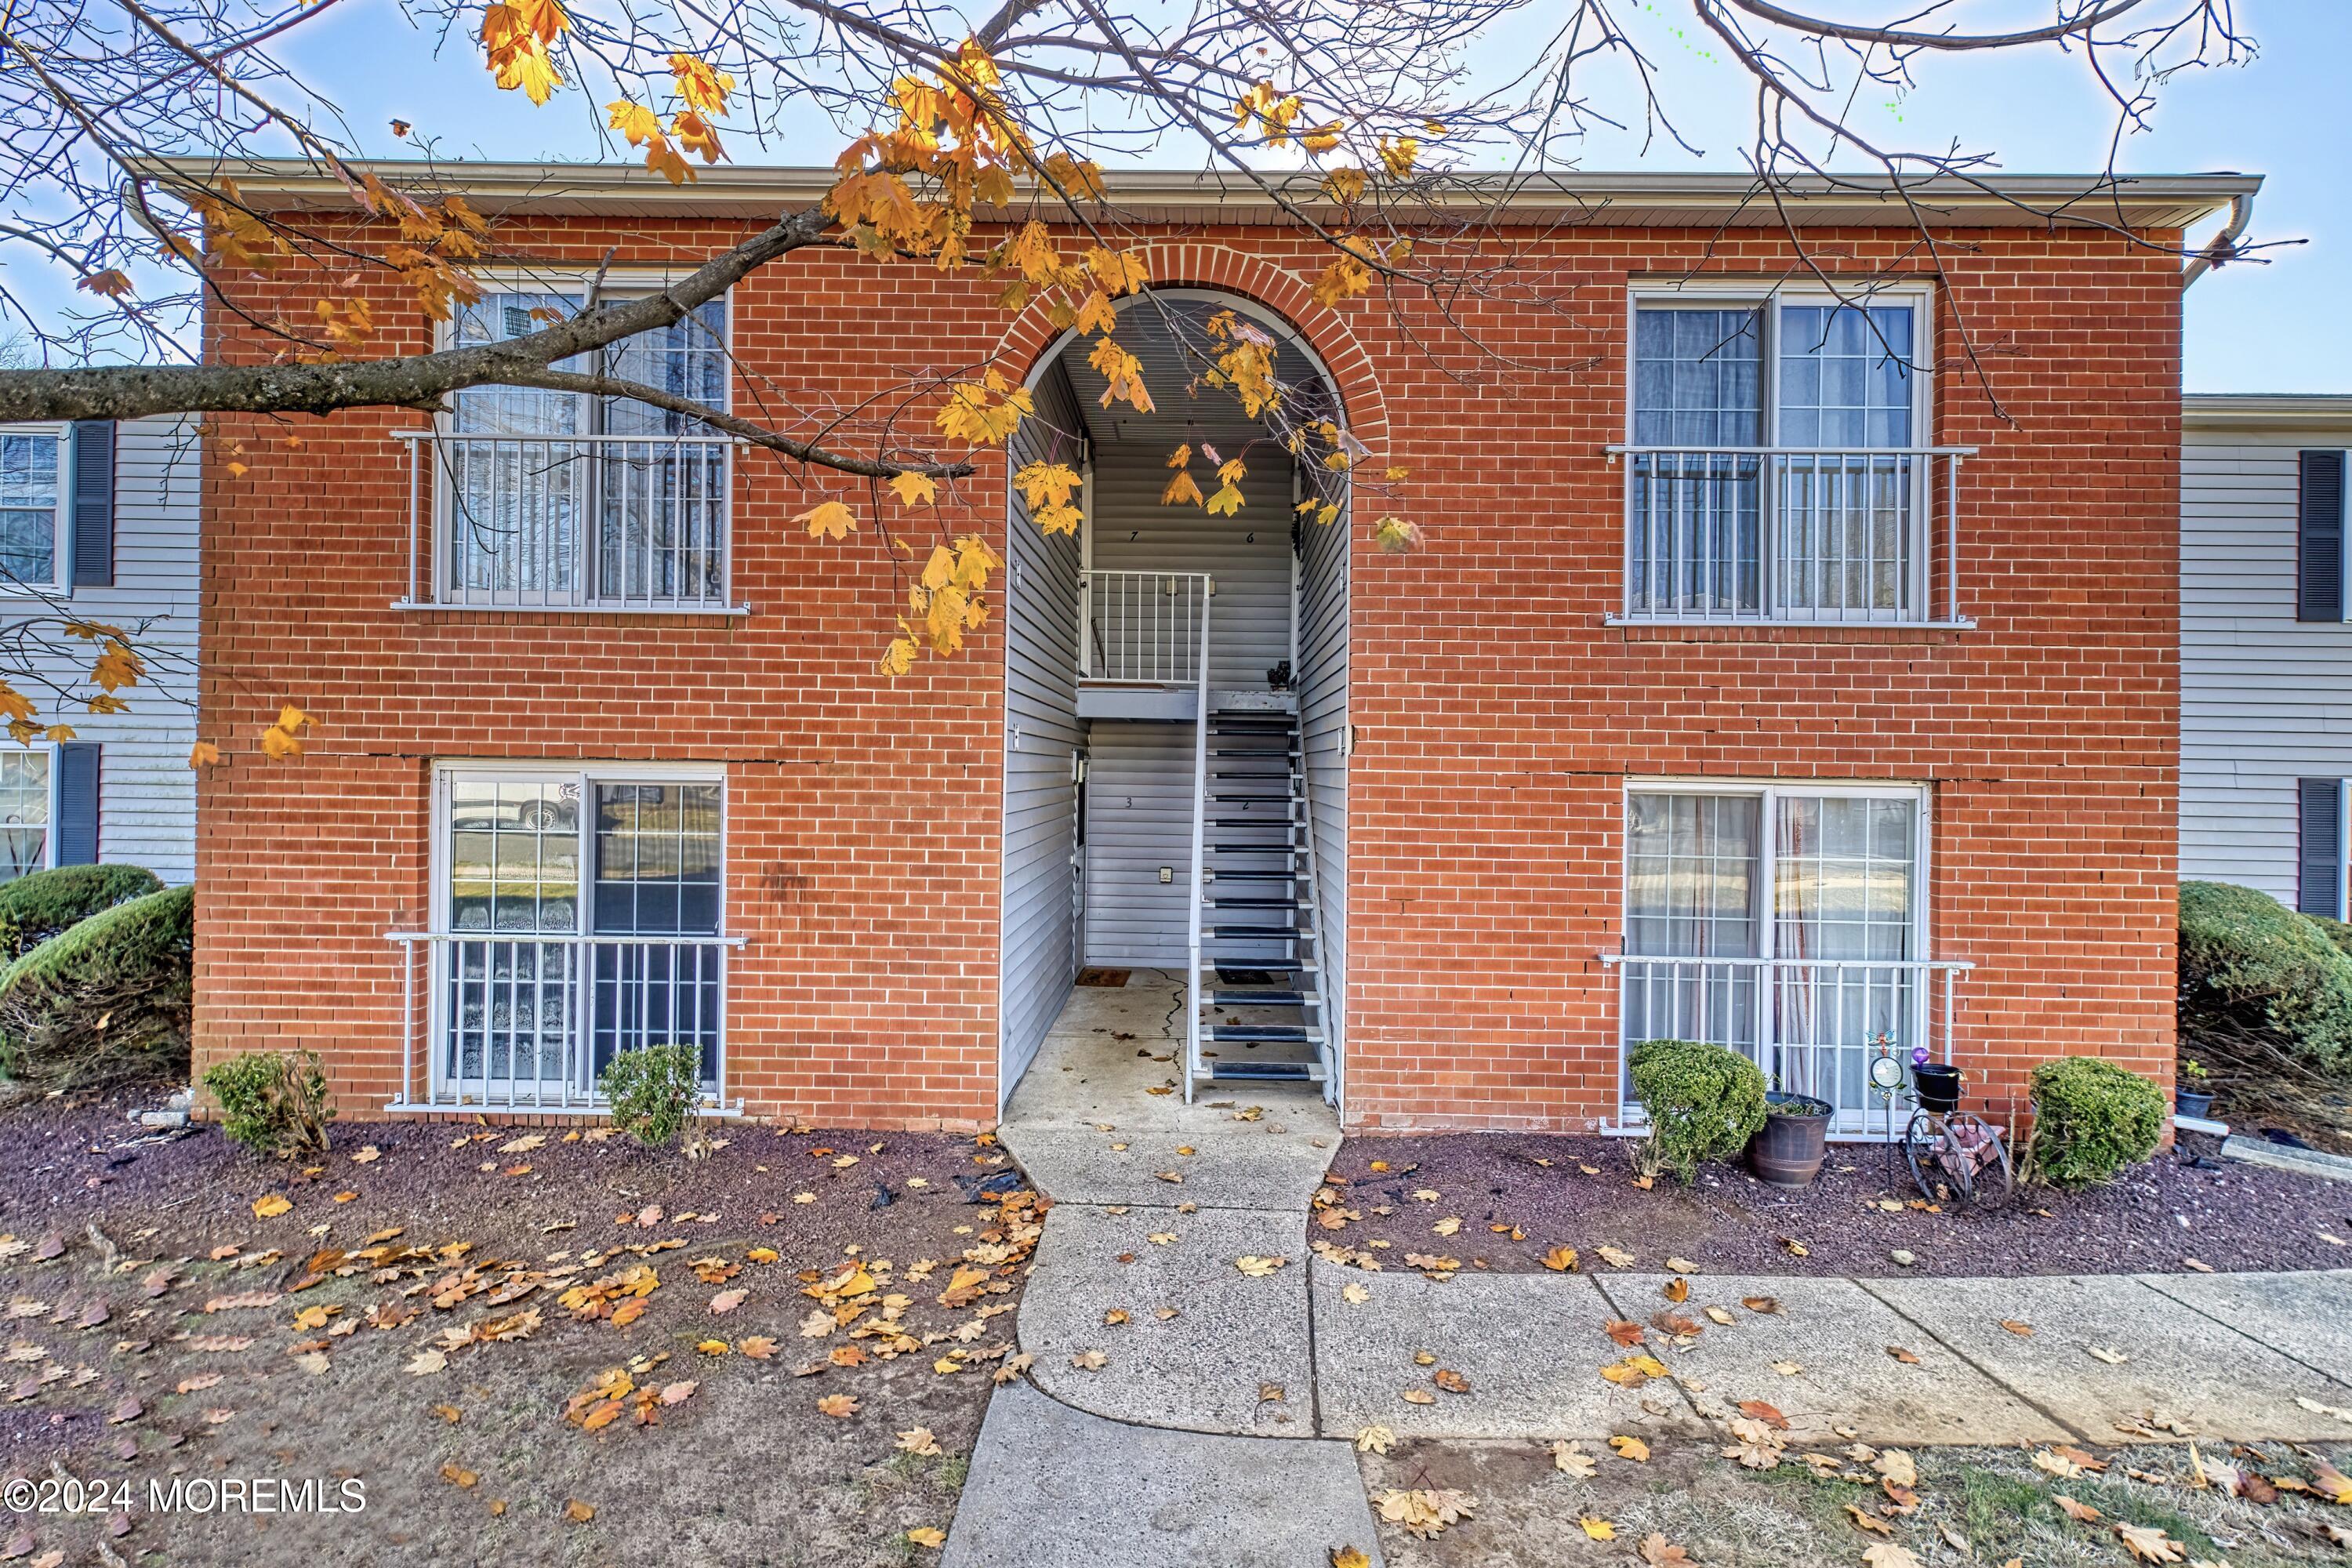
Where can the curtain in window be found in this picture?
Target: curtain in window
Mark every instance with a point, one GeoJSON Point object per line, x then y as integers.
{"type": "Point", "coordinates": [1841, 878]}
{"type": "Point", "coordinates": [1843, 519]}
{"type": "Point", "coordinates": [1699, 382]}
{"type": "Point", "coordinates": [24, 812]}
{"type": "Point", "coordinates": [514, 872]}
{"type": "Point", "coordinates": [1691, 892]}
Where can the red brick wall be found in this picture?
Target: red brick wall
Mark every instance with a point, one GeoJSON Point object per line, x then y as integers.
{"type": "Point", "coordinates": [1497, 716]}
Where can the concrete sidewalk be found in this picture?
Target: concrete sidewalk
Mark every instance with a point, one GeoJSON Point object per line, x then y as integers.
{"type": "Point", "coordinates": [1189, 1411]}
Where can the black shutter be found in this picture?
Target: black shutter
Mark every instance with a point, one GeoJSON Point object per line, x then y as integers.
{"type": "Point", "coordinates": [2320, 536]}
{"type": "Point", "coordinates": [93, 503]}
{"type": "Point", "coordinates": [77, 825]}
{"type": "Point", "coordinates": [2319, 853]}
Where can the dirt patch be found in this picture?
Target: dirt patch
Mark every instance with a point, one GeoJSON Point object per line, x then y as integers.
{"type": "Point", "coordinates": [1973, 1506]}
{"type": "Point", "coordinates": [117, 1374]}
{"type": "Point", "coordinates": [1516, 1196]}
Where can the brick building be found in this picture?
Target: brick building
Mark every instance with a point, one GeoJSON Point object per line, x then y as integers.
{"type": "Point", "coordinates": [1797, 673]}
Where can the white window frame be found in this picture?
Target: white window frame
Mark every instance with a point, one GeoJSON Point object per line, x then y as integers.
{"type": "Point", "coordinates": [60, 579]}
{"type": "Point", "coordinates": [439, 934]}
{"type": "Point", "coordinates": [429, 534]}
{"type": "Point", "coordinates": [1769, 793]}
{"type": "Point", "coordinates": [1771, 298]}
{"type": "Point", "coordinates": [49, 751]}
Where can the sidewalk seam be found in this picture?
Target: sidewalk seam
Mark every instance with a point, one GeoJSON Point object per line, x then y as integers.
{"type": "Point", "coordinates": [2234, 1328]}
{"type": "Point", "coordinates": [2028, 1401]}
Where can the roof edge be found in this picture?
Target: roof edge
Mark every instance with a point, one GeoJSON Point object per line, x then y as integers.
{"type": "Point", "coordinates": [2267, 411]}
{"type": "Point", "coordinates": [2136, 201]}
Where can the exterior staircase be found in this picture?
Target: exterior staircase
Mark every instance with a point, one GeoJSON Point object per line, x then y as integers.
{"type": "Point", "coordinates": [1257, 975]}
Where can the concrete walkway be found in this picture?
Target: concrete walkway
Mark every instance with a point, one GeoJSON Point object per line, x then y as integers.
{"type": "Point", "coordinates": [1186, 1410]}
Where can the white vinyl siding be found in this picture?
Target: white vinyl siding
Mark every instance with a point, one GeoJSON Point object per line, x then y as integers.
{"type": "Point", "coordinates": [1042, 741]}
{"type": "Point", "coordinates": [147, 792]}
{"type": "Point", "coordinates": [1248, 553]}
{"type": "Point", "coordinates": [1323, 576]}
{"type": "Point", "coordinates": [1138, 819]}
{"type": "Point", "coordinates": [2266, 699]}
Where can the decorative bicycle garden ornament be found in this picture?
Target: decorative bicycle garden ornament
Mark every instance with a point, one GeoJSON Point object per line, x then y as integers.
{"type": "Point", "coordinates": [1955, 1156]}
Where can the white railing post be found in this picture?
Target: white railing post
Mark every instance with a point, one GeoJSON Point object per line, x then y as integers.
{"type": "Point", "coordinates": [1200, 859]}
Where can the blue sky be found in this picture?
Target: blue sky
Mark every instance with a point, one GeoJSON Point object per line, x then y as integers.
{"type": "Point", "coordinates": [2281, 327]}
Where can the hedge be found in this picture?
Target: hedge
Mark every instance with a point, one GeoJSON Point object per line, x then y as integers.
{"type": "Point", "coordinates": [2249, 964]}
{"type": "Point", "coordinates": [40, 904]}
{"type": "Point", "coordinates": [1704, 1102]}
{"type": "Point", "coordinates": [2091, 1119]}
{"type": "Point", "coordinates": [105, 1003]}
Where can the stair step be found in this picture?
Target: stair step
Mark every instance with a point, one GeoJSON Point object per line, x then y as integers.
{"type": "Point", "coordinates": [1245, 903]}
{"type": "Point", "coordinates": [1217, 876]}
{"type": "Point", "coordinates": [1262, 934]}
{"type": "Point", "coordinates": [1230, 1072]}
{"type": "Point", "coordinates": [1263, 1034]}
{"type": "Point", "coordinates": [1258, 849]}
{"type": "Point", "coordinates": [1253, 822]}
{"type": "Point", "coordinates": [1287, 797]}
{"type": "Point", "coordinates": [1266, 967]}
{"type": "Point", "coordinates": [1261, 999]}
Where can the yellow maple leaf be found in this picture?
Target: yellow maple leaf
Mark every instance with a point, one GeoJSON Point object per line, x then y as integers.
{"type": "Point", "coordinates": [203, 754]}
{"type": "Point", "coordinates": [1349, 1557]}
{"type": "Point", "coordinates": [1597, 1528]}
{"type": "Point", "coordinates": [829, 520]}
{"type": "Point", "coordinates": [1226, 501]}
{"type": "Point", "coordinates": [927, 1536]}
{"type": "Point", "coordinates": [912, 489]}
{"type": "Point", "coordinates": [1042, 483]}
{"type": "Point", "coordinates": [1181, 490]}
{"type": "Point", "coordinates": [271, 1207]}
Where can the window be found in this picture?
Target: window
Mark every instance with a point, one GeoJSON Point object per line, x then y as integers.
{"type": "Point", "coordinates": [1776, 468]}
{"type": "Point", "coordinates": [23, 811]}
{"type": "Point", "coordinates": [31, 492]}
{"type": "Point", "coordinates": [1787, 921]}
{"type": "Point", "coordinates": [544, 973]}
{"type": "Point", "coordinates": [558, 499]}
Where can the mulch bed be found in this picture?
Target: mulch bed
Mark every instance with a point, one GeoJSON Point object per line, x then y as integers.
{"type": "Point", "coordinates": [207, 1348]}
{"type": "Point", "coordinates": [2154, 1219]}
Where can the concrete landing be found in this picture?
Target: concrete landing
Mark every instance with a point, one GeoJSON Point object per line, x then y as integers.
{"type": "Point", "coordinates": [1087, 1127]}
{"type": "Point", "coordinates": [1234, 1359]}
{"type": "Point", "coordinates": [1057, 1487]}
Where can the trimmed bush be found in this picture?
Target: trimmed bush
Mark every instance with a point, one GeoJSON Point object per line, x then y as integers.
{"type": "Point", "coordinates": [2091, 1119]}
{"type": "Point", "coordinates": [106, 1003]}
{"type": "Point", "coordinates": [273, 1102]}
{"type": "Point", "coordinates": [2249, 966]}
{"type": "Point", "coordinates": [652, 1090]}
{"type": "Point", "coordinates": [1705, 1102]}
{"type": "Point", "coordinates": [40, 904]}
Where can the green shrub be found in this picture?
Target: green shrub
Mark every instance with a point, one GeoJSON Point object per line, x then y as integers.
{"type": "Point", "coordinates": [2091, 1119]}
{"type": "Point", "coordinates": [106, 1003]}
{"type": "Point", "coordinates": [2251, 965]}
{"type": "Point", "coordinates": [273, 1102]}
{"type": "Point", "coordinates": [652, 1090]}
{"type": "Point", "coordinates": [40, 904]}
{"type": "Point", "coordinates": [1705, 1102]}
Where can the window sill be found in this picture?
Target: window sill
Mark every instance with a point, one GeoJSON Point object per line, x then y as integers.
{"type": "Point", "coordinates": [705, 612]}
{"type": "Point", "coordinates": [706, 1108]}
{"type": "Point", "coordinates": [1700, 628]}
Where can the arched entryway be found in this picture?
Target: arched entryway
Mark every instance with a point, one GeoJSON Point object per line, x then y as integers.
{"type": "Point", "coordinates": [1142, 784]}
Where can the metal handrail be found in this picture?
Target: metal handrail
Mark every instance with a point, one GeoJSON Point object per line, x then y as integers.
{"type": "Point", "coordinates": [571, 1087]}
{"type": "Point", "coordinates": [1150, 641]}
{"type": "Point", "coordinates": [1200, 857]}
{"type": "Point", "coordinates": [1327, 1014]}
{"type": "Point", "coordinates": [563, 546]}
{"type": "Point", "coordinates": [1782, 462]}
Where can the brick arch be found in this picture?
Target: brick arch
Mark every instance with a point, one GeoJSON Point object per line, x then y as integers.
{"type": "Point", "coordinates": [1177, 264]}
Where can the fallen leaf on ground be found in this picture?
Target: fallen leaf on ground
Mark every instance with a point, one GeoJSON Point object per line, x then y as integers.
{"type": "Point", "coordinates": [840, 1406]}
{"type": "Point", "coordinates": [1374, 1440]}
{"type": "Point", "coordinates": [1760, 1303]}
{"type": "Point", "coordinates": [1259, 1267]}
{"type": "Point", "coordinates": [1572, 1461]}
{"type": "Point", "coordinates": [1657, 1552]}
{"type": "Point", "coordinates": [458, 1476]}
{"type": "Point", "coordinates": [1451, 1381]}
{"type": "Point", "coordinates": [1349, 1557]}
{"type": "Point", "coordinates": [1597, 1528]}
{"type": "Point", "coordinates": [1625, 1332]}
{"type": "Point", "coordinates": [1561, 1260]}
{"type": "Point", "coordinates": [918, 1440]}
{"type": "Point", "coordinates": [1867, 1520]}
{"type": "Point", "coordinates": [2147, 1543]}
{"type": "Point", "coordinates": [1722, 1317]}
{"type": "Point", "coordinates": [1419, 1395]}
{"type": "Point", "coordinates": [579, 1512]}
{"type": "Point", "coordinates": [1090, 1361]}
{"type": "Point", "coordinates": [1425, 1513]}
{"type": "Point", "coordinates": [2022, 1330]}
{"type": "Point", "coordinates": [1905, 1357]}
{"type": "Point", "coordinates": [2101, 1353]}
{"type": "Point", "coordinates": [2080, 1512]}
{"type": "Point", "coordinates": [1757, 1410]}
{"type": "Point", "coordinates": [927, 1535]}
{"type": "Point", "coordinates": [1616, 1257]}
{"type": "Point", "coordinates": [2056, 1464]}
{"type": "Point", "coordinates": [1632, 1448]}
{"type": "Point", "coordinates": [1676, 1288]}
{"type": "Point", "coordinates": [1354, 1295]}
{"type": "Point", "coordinates": [1888, 1554]}
{"type": "Point", "coordinates": [270, 1207]}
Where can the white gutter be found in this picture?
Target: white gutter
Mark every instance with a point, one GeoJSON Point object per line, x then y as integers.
{"type": "Point", "coordinates": [2224, 245]}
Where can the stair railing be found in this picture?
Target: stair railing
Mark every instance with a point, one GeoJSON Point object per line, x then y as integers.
{"type": "Point", "coordinates": [1199, 855]}
{"type": "Point", "coordinates": [1312, 905]}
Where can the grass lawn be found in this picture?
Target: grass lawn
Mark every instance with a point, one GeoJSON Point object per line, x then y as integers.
{"type": "Point", "coordinates": [519, 1345]}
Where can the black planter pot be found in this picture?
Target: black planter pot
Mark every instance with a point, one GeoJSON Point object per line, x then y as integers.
{"type": "Point", "coordinates": [2189, 1102]}
{"type": "Point", "coordinates": [1789, 1150]}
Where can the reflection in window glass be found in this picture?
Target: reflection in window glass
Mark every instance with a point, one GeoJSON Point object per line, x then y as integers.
{"type": "Point", "coordinates": [28, 507]}
{"type": "Point", "coordinates": [514, 855]}
{"type": "Point", "coordinates": [24, 812]}
{"type": "Point", "coordinates": [657, 858]}
{"type": "Point", "coordinates": [1845, 375]}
